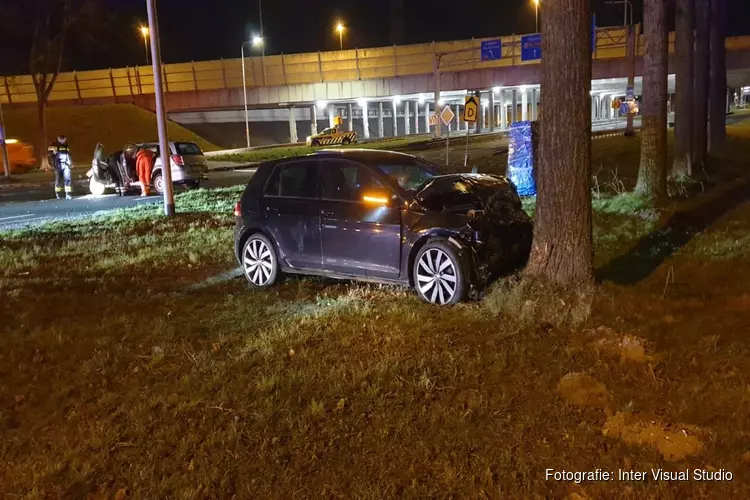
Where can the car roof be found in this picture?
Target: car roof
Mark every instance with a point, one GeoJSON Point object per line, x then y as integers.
{"type": "Point", "coordinates": [362, 155]}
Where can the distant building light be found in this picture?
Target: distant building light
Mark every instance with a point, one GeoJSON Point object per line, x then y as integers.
{"type": "Point", "coordinates": [362, 102]}
{"type": "Point", "coordinates": [496, 90]}
{"type": "Point", "coordinates": [321, 104]}
{"type": "Point", "coordinates": [397, 99]}
{"type": "Point", "coordinates": [441, 101]}
{"type": "Point", "coordinates": [523, 88]}
{"type": "Point", "coordinates": [421, 99]}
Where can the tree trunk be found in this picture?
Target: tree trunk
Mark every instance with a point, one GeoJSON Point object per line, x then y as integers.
{"type": "Point", "coordinates": [683, 118]}
{"type": "Point", "coordinates": [718, 91]}
{"type": "Point", "coordinates": [562, 251]}
{"type": "Point", "coordinates": [42, 133]}
{"type": "Point", "coordinates": [701, 72]}
{"type": "Point", "coordinates": [652, 175]}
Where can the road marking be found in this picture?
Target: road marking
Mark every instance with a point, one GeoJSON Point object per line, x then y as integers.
{"type": "Point", "coordinates": [15, 217]}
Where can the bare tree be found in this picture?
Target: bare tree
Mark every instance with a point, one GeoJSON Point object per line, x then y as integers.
{"type": "Point", "coordinates": [718, 84]}
{"type": "Point", "coordinates": [652, 175]}
{"type": "Point", "coordinates": [701, 72]}
{"type": "Point", "coordinates": [563, 248]}
{"type": "Point", "coordinates": [44, 27]}
{"type": "Point", "coordinates": [683, 122]}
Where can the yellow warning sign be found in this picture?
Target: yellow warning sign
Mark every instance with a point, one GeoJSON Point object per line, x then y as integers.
{"type": "Point", "coordinates": [471, 108]}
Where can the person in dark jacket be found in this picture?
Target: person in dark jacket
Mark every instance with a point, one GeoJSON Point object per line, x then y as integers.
{"type": "Point", "coordinates": [60, 160]}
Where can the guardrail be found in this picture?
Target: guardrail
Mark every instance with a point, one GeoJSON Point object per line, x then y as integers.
{"type": "Point", "coordinates": [306, 68]}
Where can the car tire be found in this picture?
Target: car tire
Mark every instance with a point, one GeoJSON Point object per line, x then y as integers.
{"type": "Point", "coordinates": [96, 187]}
{"type": "Point", "coordinates": [314, 143]}
{"type": "Point", "coordinates": [439, 274]}
{"type": "Point", "coordinates": [157, 181]}
{"type": "Point", "coordinates": [259, 262]}
{"type": "Point", "coordinates": [346, 141]}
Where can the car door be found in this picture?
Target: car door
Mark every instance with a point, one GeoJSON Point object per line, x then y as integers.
{"type": "Point", "coordinates": [291, 213]}
{"type": "Point", "coordinates": [359, 237]}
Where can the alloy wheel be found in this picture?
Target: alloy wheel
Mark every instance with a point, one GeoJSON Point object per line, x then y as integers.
{"type": "Point", "coordinates": [258, 262]}
{"type": "Point", "coordinates": [436, 276]}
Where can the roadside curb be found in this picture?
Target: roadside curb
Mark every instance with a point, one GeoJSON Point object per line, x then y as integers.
{"type": "Point", "coordinates": [32, 185]}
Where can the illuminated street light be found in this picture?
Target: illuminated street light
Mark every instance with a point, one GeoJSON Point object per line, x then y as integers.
{"type": "Point", "coordinates": [144, 33]}
{"type": "Point", "coordinates": [340, 30]}
{"type": "Point", "coordinates": [536, 13]}
{"type": "Point", "coordinates": [256, 41]}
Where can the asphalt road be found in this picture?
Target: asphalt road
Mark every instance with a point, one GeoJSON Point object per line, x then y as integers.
{"type": "Point", "coordinates": [24, 207]}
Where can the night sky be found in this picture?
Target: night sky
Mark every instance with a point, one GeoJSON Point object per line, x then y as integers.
{"type": "Point", "coordinates": [212, 29]}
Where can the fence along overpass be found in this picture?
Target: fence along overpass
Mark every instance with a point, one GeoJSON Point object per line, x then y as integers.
{"type": "Point", "coordinates": [422, 73]}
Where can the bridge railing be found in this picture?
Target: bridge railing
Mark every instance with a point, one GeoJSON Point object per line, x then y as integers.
{"type": "Point", "coordinates": [305, 68]}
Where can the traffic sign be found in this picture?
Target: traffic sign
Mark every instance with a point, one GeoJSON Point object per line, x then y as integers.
{"type": "Point", "coordinates": [447, 115]}
{"type": "Point", "coordinates": [624, 108]}
{"type": "Point", "coordinates": [433, 119]}
{"type": "Point", "coordinates": [531, 47]}
{"type": "Point", "coordinates": [630, 93]}
{"type": "Point", "coordinates": [471, 108]}
{"type": "Point", "coordinates": [492, 50]}
{"type": "Point", "coordinates": [616, 104]}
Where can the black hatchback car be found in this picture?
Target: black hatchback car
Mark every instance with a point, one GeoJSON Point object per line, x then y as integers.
{"type": "Point", "coordinates": [380, 216]}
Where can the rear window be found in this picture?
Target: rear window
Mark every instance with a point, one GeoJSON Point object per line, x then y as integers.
{"type": "Point", "coordinates": [187, 148]}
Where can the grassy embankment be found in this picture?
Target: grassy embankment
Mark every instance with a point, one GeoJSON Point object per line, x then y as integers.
{"type": "Point", "coordinates": [113, 125]}
{"type": "Point", "coordinates": [118, 375]}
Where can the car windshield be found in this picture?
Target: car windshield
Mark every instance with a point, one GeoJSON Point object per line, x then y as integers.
{"type": "Point", "coordinates": [188, 148]}
{"type": "Point", "coordinates": [411, 174]}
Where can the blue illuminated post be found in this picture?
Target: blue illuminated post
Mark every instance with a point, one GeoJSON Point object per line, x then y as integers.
{"type": "Point", "coordinates": [161, 115]}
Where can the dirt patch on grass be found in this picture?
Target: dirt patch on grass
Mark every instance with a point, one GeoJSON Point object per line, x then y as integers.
{"type": "Point", "coordinates": [674, 442]}
{"type": "Point", "coordinates": [583, 390]}
{"type": "Point", "coordinates": [629, 348]}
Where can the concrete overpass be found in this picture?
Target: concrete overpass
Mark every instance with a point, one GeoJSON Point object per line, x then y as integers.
{"type": "Point", "coordinates": [297, 93]}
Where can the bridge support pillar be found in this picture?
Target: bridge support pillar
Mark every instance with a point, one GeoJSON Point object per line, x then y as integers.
{"type": "Point", "coordinates": [492, 110]}
{"type": "Point", "coordinates": [365, 120]}
{"type": "Point", "coordinates": [395, 118]}
{"type": "Point", "coordinates": [514, 106]}
{"type": "Point", "coordinates": [313, 120]}
{"type": "Point", "coordinates": [524, 104]}
{"type": "Point", "coordinates": [350, 116]}
{"type": "Point", "coordinates": [331, 115]}
{"type": "Point", "coordinates": [381, 131]}
{"type": "Point", "coordinates": [503, 112]}
{"type": "Point", "coordinates": [480, 115]}
{"type": "Point", "coordinates": [292, 126]}
{"type": "Point", "coordinates": [416, 117]}
{"type": "Point", "coordinates": [407, 125]}
{"type": "Point", "coordinates": [534, 105]}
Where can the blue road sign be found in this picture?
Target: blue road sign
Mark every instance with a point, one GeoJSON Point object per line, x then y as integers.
{"type": "Point", "coordinates": [624, 109]}
{"type": "Point", "coordinates": [531, 47]}
{"type": "Point", "coordinates": [630, 94]}
{"type": "Point", "coordinates": [492, 50]}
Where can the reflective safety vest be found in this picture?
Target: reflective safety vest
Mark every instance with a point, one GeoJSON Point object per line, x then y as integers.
{"type": "Point", "coordinates": [59, 155]}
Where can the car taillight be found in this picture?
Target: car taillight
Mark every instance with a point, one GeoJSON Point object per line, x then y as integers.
{"type": "Point", "coordinates": [237, 212]}
{"type": "Point", "coordinates": [177, 159]}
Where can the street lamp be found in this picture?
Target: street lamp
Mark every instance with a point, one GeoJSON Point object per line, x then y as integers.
{"type": "Point", "coordinates": [144, 34]}
{"type": "Point", "coordinates": [340, 29]}
{"type": "Point", "coordinates": [257, 41]}
{"type": "Point", "coordinates": [536, 14]}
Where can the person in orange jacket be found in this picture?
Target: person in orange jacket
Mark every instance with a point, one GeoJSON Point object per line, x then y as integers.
{"type": "Point", "coordinates": [144, 164]}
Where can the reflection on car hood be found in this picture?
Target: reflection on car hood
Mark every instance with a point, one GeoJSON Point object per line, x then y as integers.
{"type": "Point", "coordinates": [463, 192]}
{"type": "Point", "coordinates": [465, 202]}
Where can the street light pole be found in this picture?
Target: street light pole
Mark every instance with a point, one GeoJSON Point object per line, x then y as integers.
{"type": "Point", "coordinates": [244, 92]}
{"type": "Point", "coordinates": [260, 16]}
{"type": "Point", "coordinates": [341, 39]}
{"type": "Point", "coordinates": [161, 114]}
{"type": "Point", "coordinates": [4, 139]}
{"type": "Point", "coordinates": [536, 14]}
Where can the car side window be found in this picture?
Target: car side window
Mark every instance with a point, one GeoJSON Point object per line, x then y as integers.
{"type": "Point", "coordinates": [345, 181]}
{"type": "Point", "coordinates": [293, 180]}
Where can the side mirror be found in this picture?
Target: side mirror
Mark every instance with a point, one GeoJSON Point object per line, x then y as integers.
{"type": "Point", "coordinates": [378, 196]}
